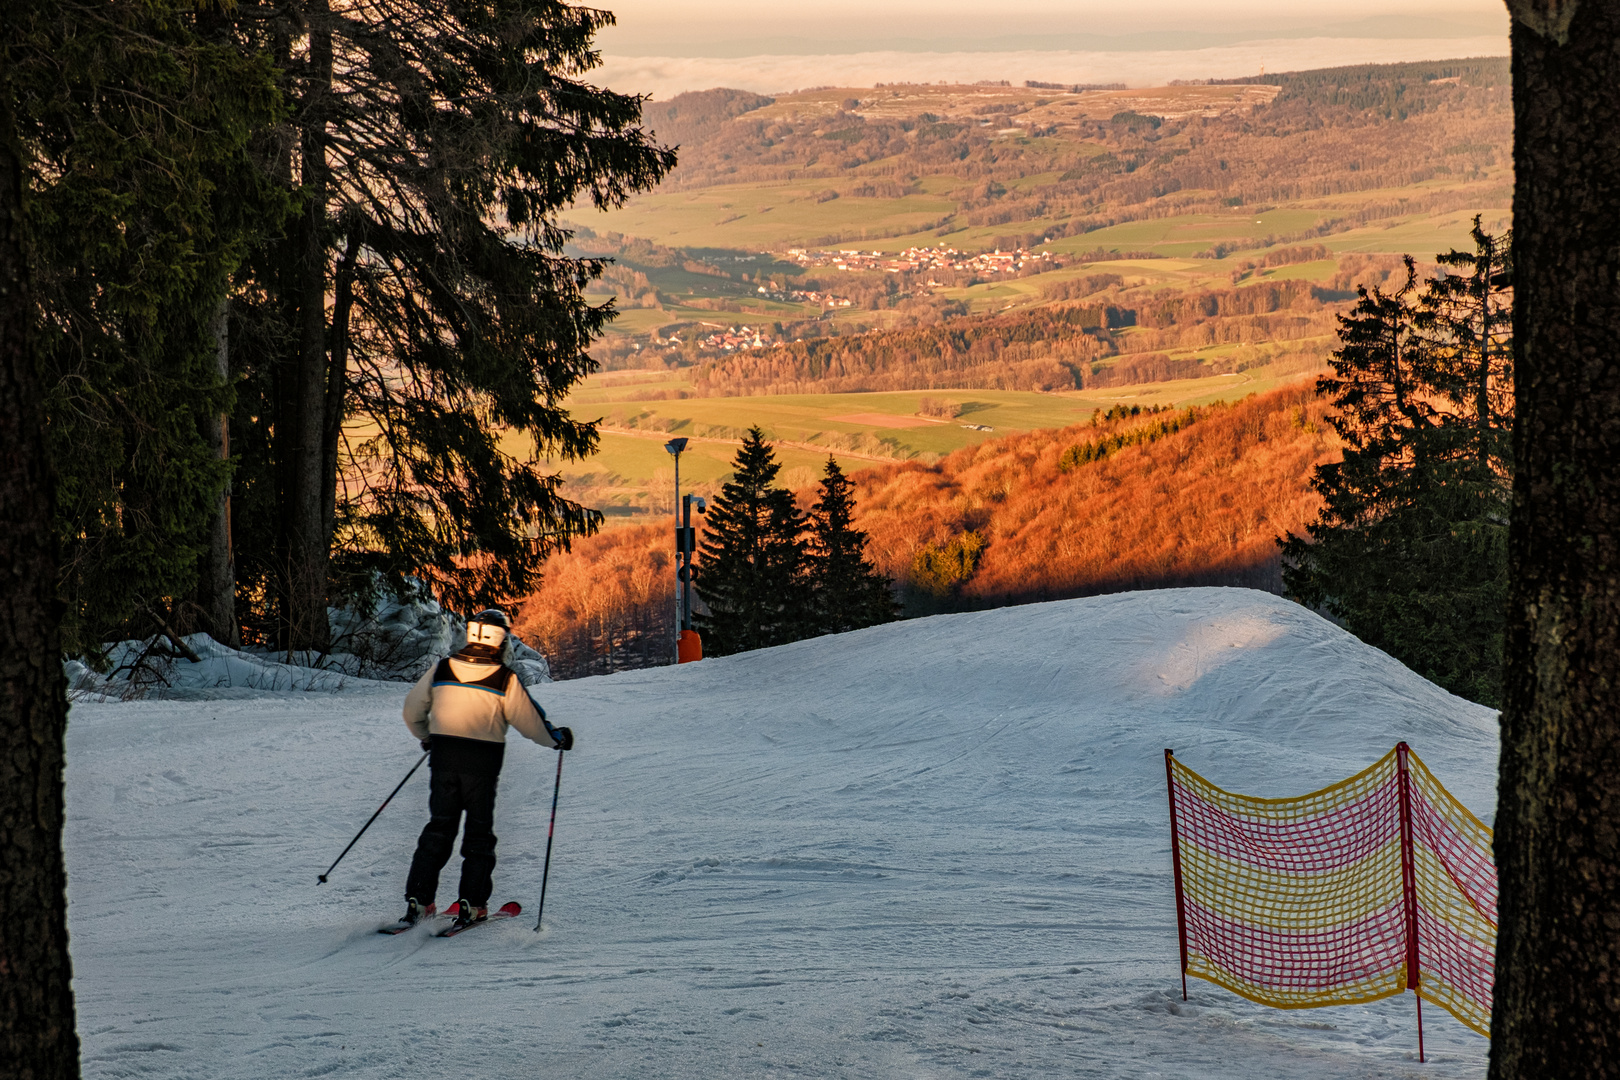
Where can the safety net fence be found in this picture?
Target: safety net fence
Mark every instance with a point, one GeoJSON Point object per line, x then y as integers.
{"type": "Point", "coordinates": [1375, 885]}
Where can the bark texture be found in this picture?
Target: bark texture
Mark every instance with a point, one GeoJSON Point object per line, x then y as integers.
{"type": "Point", "coordinates": [1557, 1006]}
{"type": "Point", "coordinates": [38, 1036]}
{"type": "Point", "coordinates": [216, 578]}
{"type": "Point", "coordinates": [308, 536]}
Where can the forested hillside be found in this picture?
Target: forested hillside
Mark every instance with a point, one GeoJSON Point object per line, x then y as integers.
{"type": "Point", "coordinates": [1136, 499]}
{"type": "Point", "coordinates": [1061, 513]}
{"type": "Point", "coordinates": [1062, 346]}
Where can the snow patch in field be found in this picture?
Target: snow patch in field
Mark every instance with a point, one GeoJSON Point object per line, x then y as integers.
{"type": "Point", "coordinates": [934, 848]}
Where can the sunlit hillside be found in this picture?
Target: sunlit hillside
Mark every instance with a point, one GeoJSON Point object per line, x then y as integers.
{"type": "Point", "coordinates": [1179, 188]}
{"type": "Point", "coordinates": [1168, 496]}
{"type": "Point", "coordinates": [1029, 517]}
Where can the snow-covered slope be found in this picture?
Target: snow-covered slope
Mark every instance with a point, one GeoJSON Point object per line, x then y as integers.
{"type": "Point", "coordinates": [936, 848]}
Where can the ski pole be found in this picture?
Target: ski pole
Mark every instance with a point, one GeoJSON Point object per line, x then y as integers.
{"type": "Point", "coordinates": [322, 879]}
{"type": "Point", "coordinates": [545, 875]}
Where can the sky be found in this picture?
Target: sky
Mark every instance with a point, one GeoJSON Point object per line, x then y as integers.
{"type": "Point", "coordinates": [665, 46]}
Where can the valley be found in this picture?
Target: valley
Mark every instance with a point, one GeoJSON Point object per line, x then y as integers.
{"type": "Point", "coordinates": [822, 261]}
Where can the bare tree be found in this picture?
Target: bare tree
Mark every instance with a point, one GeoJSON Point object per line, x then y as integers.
{"type": "Point", "coordinates": [1557, 1007]}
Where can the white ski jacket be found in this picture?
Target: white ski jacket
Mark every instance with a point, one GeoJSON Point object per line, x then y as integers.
{"type": "Point", "coordinates": [474, 700]}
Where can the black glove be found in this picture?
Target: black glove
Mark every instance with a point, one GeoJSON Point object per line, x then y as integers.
{"type": "Point", "coordinates": [427, 744]}
{"type": "Point", "coordinates": [564, 737]}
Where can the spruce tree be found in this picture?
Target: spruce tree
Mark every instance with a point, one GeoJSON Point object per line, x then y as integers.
{"type": "Point", "coordinates": [847, 591]}
{"type": "Point", "coordinates": [1557, 994]}
{"type": "Point", "coordinates": [38, 1032]}
{"type": "Point", "coordinates": [143, 200]}
{"type": "Point", "coordinates": [1409, 549]}
{"type": "Point", "coordinates": [406, 344]}
{"type": "Point", "coordinates": [751, 571]}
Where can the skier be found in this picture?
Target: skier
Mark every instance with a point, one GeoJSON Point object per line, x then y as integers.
{"type": "Point", "coordinates": [460, 710]}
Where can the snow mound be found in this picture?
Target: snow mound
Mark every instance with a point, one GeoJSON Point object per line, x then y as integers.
{"type": "Point", "coordinates": [137, 669]}
{"type": "Point", "coordinates": [405, 635]}
{"type": "Point", "coordinates": [935, 848]}
{"type": "Point", "coordinates": [396, 640]}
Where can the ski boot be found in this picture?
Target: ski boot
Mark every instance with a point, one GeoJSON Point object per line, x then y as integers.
{"type": "Point", "coordinates": [466, 915]}
{"type": "Point", "coordinates": [413, 914]}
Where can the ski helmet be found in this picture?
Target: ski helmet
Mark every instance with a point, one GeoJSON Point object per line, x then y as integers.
{"type": "Point", "coordinates": [486, 632]}
{"type": "Point", "coordinates": [492, 617]}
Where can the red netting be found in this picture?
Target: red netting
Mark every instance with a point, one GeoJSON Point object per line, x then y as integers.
{"type": "Point", "coordinates": [1322, 899]}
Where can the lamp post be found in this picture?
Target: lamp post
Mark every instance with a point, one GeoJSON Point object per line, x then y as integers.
{"type": "Point", "coordinates": [688, 547]}
{"type": "Point", "coordinates": [675, 446]}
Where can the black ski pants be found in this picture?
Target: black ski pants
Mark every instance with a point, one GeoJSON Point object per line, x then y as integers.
{"type": "Point", "coordinates": [451, 793]}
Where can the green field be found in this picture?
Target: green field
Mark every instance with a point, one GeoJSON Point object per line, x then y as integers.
{"type": "Point", "coordinates": [768, 216]}
{"type": "Point", "coordinates": [732, 218]}
{"type": "Point", "coordinates": [633, 475]}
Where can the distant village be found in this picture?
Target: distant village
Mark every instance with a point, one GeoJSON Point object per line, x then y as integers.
{"type": "Point", "coordinates": [805, 296]}
{"type": "Point", "coordinates": [726, 339]}
{"type": "Point", "coordinates": [913, 260]}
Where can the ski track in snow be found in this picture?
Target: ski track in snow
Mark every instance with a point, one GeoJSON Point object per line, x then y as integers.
{"type": "Point", "coordinates": [937, 848]}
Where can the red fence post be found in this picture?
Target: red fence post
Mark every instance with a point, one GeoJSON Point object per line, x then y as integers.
{"type": "Point", "coordinates": [1409, 886]}
{"type": "Point", "coordinates": [1175, 859]}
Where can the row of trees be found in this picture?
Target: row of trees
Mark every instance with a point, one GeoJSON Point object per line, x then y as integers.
{"type": "Point", "coordinates": [607, 604]}
{"type": "Point", "coordinates": [770, 574]}
{"type": "Point", "coordinates": [1410, 547]}
{"type": "Point", "coordinates": [301, 302]}
{"type": "Point", "coordinates": [1056, 347]}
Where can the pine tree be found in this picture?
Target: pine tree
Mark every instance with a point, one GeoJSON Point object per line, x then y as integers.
{"type": "Point", "coordinates": [1557, 998]}
{"type": "Point", "coordinates": [1409, 549]}
{"type": "Point", "coordinates": [847, 591]}
{"type": "Point", "coordinates": [38, 1033]}
{"type": "Point", "coordinates": [142, 203]}
{"type": "Point", "coordinates": [407, 344]}
{"type": "Point", "coordinates": [751, 570]}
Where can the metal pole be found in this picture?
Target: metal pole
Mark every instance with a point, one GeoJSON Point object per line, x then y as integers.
{"type": "Point", "coordinates": [685, 572]}
{"type": "Point", "coordinates": [1175, 860]}
{"type": "Point", "coordinates": [545, 875]}
{"type": "Point", "coordinates": [678, 548]}
{"type": "Point", "coordinates": [1409, 886]}
{"type": "Point", "coordinates": [322, 879]}
{"type": "Point", "coordinates": [675, 446]}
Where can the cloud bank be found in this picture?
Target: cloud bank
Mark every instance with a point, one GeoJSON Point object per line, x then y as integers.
{"type": "Point", "coordinates": [665, 76]}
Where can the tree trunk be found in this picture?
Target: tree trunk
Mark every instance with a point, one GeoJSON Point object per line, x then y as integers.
{"type": "Point", "coordinates": [337, 371]}
{"type": "Point", "coordinates": [216, 582]}
{"type": "Point", "coordinates": [1557, 1006]}
{"type": "Point", "coordinates": [307, 536]}
{"type": "Point", "coordinates": [38, 1034]}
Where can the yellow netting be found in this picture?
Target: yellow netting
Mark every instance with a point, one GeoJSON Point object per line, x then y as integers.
{"type": "Point", "coordinates": [1329, 898]}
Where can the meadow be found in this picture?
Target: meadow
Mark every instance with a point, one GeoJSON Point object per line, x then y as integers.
{"type": "Point", "coordinates": [632, 475]}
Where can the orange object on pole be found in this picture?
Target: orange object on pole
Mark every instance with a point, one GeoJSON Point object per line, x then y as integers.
{"type": "Point", "coordinates": [690, 647]}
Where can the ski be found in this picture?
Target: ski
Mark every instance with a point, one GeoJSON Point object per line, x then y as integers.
{"type": "Point", "coordinates": [401, 926]}
{"type": "Point", "coordinates": [507, 910]}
